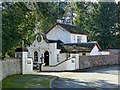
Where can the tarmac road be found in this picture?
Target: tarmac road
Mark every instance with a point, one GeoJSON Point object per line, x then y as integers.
{"type": "Point", "coordinates": [101, 78]}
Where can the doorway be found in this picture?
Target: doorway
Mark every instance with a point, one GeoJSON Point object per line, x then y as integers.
{"type": "Point", "coordinates": [35, 62]}
{"type": "Point", "coordinates": [46, 58]}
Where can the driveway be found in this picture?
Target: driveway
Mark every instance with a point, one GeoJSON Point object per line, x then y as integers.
{"type": "Point", "coordinates": [96, 79]}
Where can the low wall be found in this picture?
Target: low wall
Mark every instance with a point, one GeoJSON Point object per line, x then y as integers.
{"type": "Point", "coordinates": [67, 65]}
{"type": "Point", "coordinates": [10, 66]}
{"type": "Point", "coordinates": [93, 61]}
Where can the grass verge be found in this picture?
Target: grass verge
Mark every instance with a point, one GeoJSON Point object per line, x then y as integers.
{"type": "Point", "coordinates": [26, 81]}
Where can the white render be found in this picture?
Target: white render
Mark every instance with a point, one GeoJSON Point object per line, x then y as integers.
{"type": "Point", "coordinates": [95, 51]}
{"type": "Point", "coordinates": [27, 64]}
{"type": "Point", "coordinates": [58, 33]}
{"type": "Point", "coordinates": [68, 65]}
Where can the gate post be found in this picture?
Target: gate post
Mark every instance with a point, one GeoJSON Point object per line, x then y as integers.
{"type": "Point", "coordinates": [27, 63]}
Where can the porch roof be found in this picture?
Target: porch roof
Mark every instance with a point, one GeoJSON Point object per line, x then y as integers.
{"type": "Point", "coordinates": [76, 47]}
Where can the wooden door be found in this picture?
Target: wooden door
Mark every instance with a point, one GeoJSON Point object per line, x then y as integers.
{"type": "Point", "coordinates": [46, 58]}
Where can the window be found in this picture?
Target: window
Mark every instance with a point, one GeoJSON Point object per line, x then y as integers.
{"type": "Point", "coordinates": [73, 61]}
{"type": "Point", "coordinates": [68, 55]}
{"type": "Point", "coordinates": [78, 39]}
{"type": "Point", "coordinates": [83, 54]}
{"type": "Point", "coordinates": [36, 56]}
{"type": "Point", "coordinates": [58, 58]}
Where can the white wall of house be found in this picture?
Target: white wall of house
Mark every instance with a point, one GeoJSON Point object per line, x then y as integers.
{"type": "Point", "coordinates": [39, 47]}
{"type": "Point", "coordinates": [58, 33]}
{"type": "Point", "coordinates": [42, 47]}
{"type": "Point", "coordinates": [95, 51]}
{"type": "Point", "coordinates": [87, 54]}
{"type": "Point", "coordinates": [104, 53]}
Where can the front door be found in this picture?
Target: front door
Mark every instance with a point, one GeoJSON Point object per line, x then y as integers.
{"type": "Point", "coordinates": [46, 58]}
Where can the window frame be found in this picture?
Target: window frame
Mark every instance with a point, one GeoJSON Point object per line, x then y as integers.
{"type": "Point", "coordinates": [35, 56]}
{"type": "Point", "coordinates": [58, 58]}
{"type": "Point", "coordinates": [79, 38]}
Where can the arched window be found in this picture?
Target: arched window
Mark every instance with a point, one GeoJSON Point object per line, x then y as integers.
{"type": "Point", "coordinates": [36, 56]}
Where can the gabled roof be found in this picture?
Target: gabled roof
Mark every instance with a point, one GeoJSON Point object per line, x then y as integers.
{"type": "Point", "coordinates": [50, 41]}
{"type": "Point", "coordinates": [70, 28]}
{"type": "Point", "coordinates": [77, 47]}
{"type": "Point", "coordinates": [55, 41]}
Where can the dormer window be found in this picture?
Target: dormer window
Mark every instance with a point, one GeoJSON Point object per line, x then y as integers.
{"type": "Point", "coordinates": [79, 39]}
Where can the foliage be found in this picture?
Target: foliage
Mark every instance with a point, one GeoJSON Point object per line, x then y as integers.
{"type": "Point", "coordinates": [48, 16]}
{"type": "Point", "coordinates": [20, 20]}
{"type": "Point", "coordinates": [16, 25]}
{"type": "Point", "coordinates": [100, 20]}
{"type": "Point", "coordinates": [106, 22]}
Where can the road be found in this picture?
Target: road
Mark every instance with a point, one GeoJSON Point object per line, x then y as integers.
{"type": "Point", "coordinates": [99, 79]}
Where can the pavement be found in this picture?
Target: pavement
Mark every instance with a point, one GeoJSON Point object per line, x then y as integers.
{"type": "Point", "coordinates": [96, 79]}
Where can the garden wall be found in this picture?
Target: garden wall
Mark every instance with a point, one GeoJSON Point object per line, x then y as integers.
{"type": "Point", "coordinates": [10, 66]}
{"type": "Point", "coordinates": [93, 61]}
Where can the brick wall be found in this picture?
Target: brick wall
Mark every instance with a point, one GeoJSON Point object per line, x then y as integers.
{"type": "Point", "coordinates": [93, 61]}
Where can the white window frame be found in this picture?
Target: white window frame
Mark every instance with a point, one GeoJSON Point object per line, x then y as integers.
{"type": "Point", "coordinates": [79, 38]}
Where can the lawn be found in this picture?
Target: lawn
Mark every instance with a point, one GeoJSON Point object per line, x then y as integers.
{"type": "Point", "coordinates": [26, 81]}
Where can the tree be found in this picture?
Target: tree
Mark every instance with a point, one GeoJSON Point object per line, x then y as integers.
{"type": "Point", "coordinates": [20, 18]}
{"type": "Point", "coordinates": [100, 20]}
{"type": "Point", "coordinates": [16, 25]}
{"type": "Point", "coordinates": [106, 22]}
{"type": "Point", "coordinates": [86, 11]}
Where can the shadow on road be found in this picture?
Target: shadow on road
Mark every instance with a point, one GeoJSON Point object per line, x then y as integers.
{"type": "Point", "coordinates": [115, 70]}
{"type": "Point", "coordinates": [63, 83]}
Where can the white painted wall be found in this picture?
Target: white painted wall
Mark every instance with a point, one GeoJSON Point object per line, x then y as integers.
{"type": "Point", "coordinates": [40, 47]}
{"type": "Point", "coordinates": [63, 56]}
{"type": "Point", "coordinates": [58, 33]}
{"type": "Point", "coordinates": [104, 53]}
{"type": "Point", "coordinates": [74, 38]}
{"type": "Point", "coordinates": [76, 60]}
{"type": "Point", "coordinates": [54, 51]}
{"type": "Point", "coordinates": [95, 51]}
{"type": "Point", "coordinates": [27, 64]}
{"type": "Point", "coordinates": [68, 65]}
